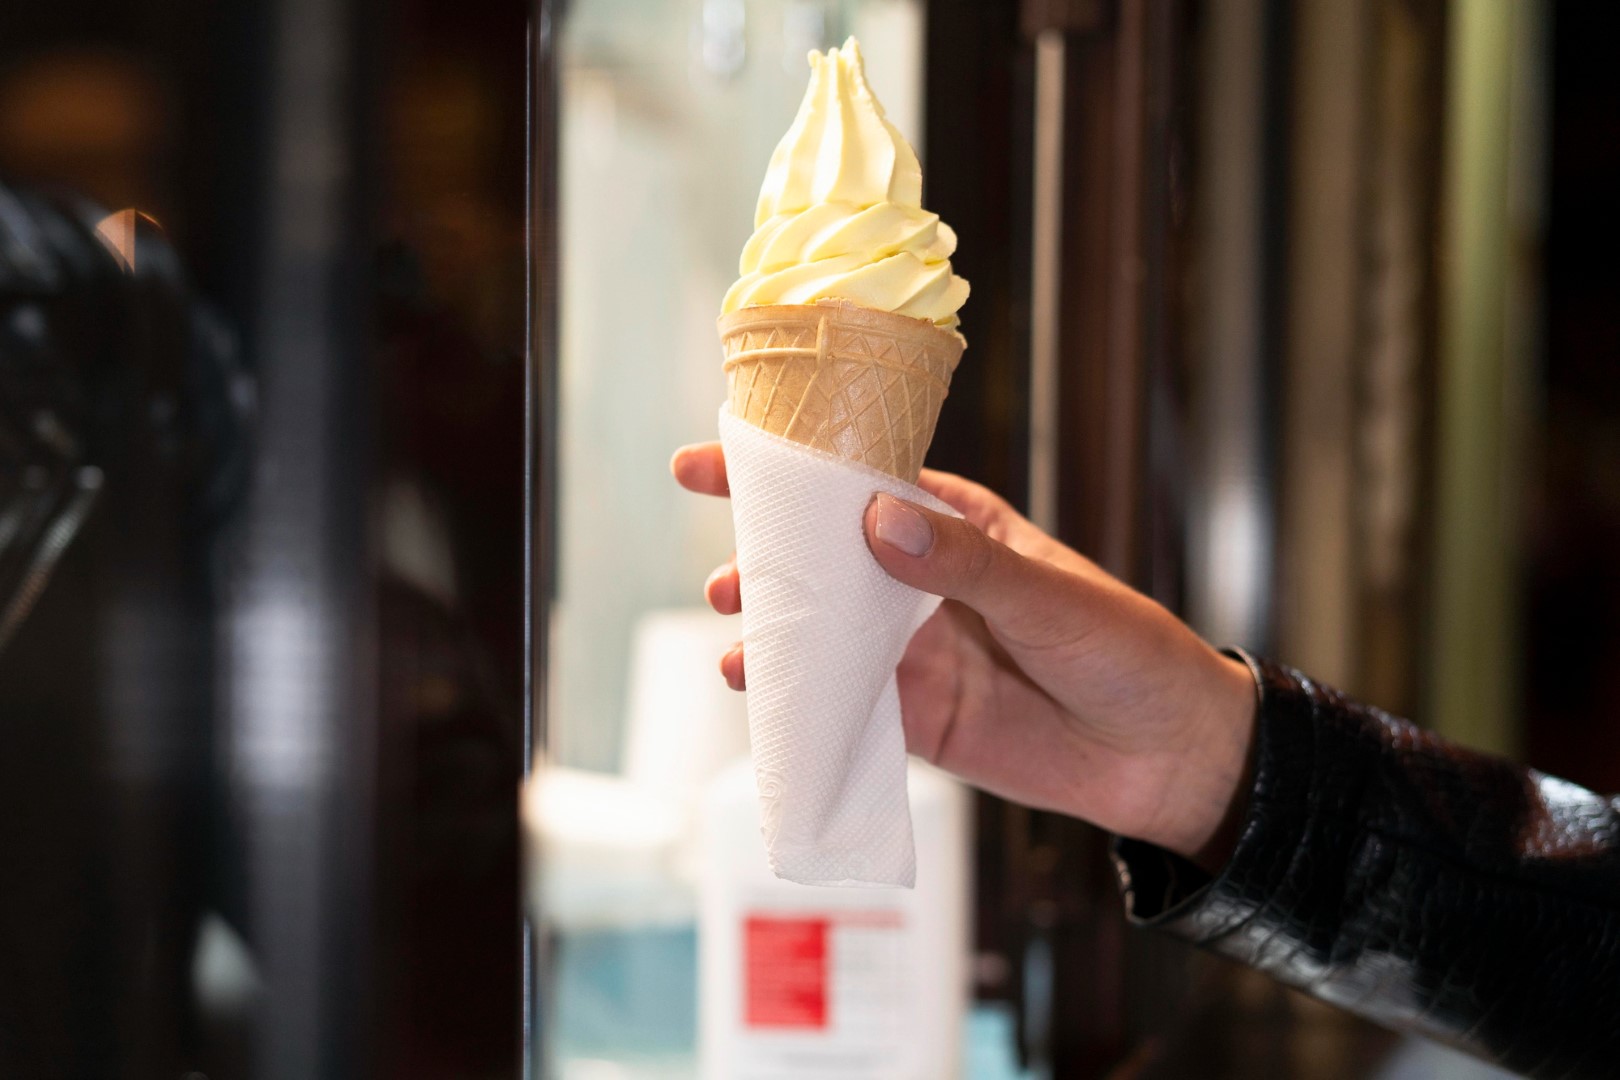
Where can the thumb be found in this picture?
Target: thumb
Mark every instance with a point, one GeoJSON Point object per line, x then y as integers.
{"type": "Point", "coordinates": [1031, 603]}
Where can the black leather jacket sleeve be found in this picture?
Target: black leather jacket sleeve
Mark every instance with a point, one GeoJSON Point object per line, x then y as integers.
{"type": "Point", "coordinates": [1421, 885]}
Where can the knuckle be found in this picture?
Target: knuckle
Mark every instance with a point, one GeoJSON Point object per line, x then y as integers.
{"type": "Point", "coordinates": [978, 556]}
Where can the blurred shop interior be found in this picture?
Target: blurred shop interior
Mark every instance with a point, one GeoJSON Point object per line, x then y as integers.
{"type": "Point", "coordinates": [364, 714]}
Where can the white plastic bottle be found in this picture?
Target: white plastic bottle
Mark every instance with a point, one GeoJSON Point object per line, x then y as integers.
{"type": "Point", "coordinates": [802, 983]}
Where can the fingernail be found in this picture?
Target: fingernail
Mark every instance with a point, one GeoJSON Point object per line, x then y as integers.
{"type": "Point", "coordinates": [902, 528]}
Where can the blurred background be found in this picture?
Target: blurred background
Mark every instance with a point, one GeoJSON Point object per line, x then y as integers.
{"type": "Point", "coordinates": [342, 349]}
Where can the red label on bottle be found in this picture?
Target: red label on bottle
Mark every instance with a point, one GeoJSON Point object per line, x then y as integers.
{"type": "Point", "coordinates": [785, 973]}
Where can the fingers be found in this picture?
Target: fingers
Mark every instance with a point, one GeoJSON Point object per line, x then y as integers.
{"type": "Point", "coordinates": [973, 501]}
{"type": "Point", "coordinates": [701, 467]}
{"type": "Point", "coordinates": [996, 517]}
{"type": "Point", "coordinates": [1027, 602]}
{"type": "Point", "coordinates": [725, 596]}
{"type": "Point", "coordinates": [731, 667]}
{"type": "Point", "coordinates": [723, 590]}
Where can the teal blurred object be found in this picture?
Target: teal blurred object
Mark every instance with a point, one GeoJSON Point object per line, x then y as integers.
{"type": "Point", "coordinates": [626, 996]}
{"type": "Point", "coordinates": [990, 1038]}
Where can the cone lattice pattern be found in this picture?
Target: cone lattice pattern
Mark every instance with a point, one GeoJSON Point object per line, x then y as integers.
{"type": "Point", "coordinates": [865, 385]}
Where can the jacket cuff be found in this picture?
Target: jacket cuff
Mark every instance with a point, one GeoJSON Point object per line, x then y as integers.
{"type": "Point", "coordinates": [1292, 817]}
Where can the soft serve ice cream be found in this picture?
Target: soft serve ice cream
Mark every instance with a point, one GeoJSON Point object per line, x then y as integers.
{"type": "Point", "coordinates": [841, 334]}
{"type": "Point", "coordinates": [840, 214]}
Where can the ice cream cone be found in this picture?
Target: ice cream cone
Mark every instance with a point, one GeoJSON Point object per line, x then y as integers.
{"type": "Point", "coordinates": [865, 385]}
{"type": "Point", "coordinates": [826, 375]}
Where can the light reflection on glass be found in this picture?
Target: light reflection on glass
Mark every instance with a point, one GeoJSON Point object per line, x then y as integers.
{"type": "Point", "coordinates": [120, 232]}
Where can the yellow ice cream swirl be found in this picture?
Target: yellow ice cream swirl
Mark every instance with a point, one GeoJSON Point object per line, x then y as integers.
{"type": "Point", "coordinates": [840, 214]}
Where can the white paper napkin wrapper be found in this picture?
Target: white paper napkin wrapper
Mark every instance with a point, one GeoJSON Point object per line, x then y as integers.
{"type": "Point", "coordinates": [823, 631]}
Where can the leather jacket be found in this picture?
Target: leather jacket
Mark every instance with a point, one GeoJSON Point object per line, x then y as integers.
{"type": "Point", "coordinates": [1424, 886]}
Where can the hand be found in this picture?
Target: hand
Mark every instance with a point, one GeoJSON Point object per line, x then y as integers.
{"type": "Point", "coordinates": [1043, 679]}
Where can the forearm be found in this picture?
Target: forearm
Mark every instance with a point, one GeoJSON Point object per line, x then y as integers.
{"type": "Point", "coordinates": [1421, 885]}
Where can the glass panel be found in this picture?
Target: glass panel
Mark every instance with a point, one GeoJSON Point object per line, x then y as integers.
{"type": "Point", "coordinates": [667, 114]}
{"type": "Point", "coordinates": [261, 634]}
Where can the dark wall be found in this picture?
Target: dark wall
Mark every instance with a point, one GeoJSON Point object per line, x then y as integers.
{"type": "Point", "coordinates": [1573, 509]}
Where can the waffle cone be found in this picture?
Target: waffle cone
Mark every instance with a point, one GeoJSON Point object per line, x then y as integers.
{"type": "Point", "coordinates": [863, 384]}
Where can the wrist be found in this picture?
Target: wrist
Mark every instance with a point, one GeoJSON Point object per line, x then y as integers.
{"type": "Point", "coordinates": [1211, 796]}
